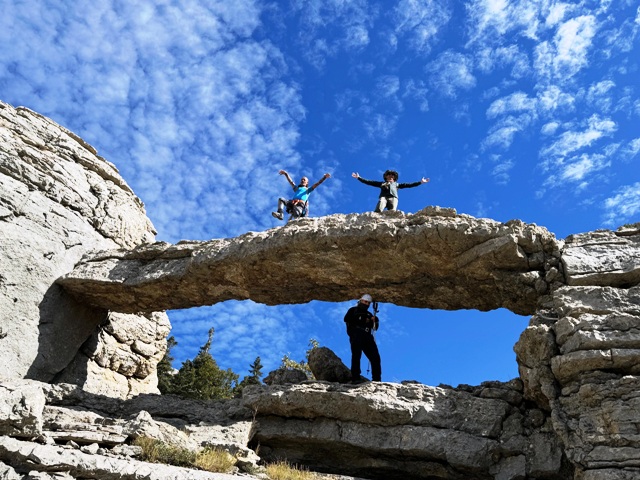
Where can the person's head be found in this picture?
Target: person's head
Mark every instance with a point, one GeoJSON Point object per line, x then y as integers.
{"type": "Point", "coordinates": [390, 176]}
{"type": "Point", "coordinates": [365, 300]}
{"type": "Point", "coordinates": [304, 182]}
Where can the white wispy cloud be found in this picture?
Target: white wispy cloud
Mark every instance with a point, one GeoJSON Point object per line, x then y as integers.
{"type": "Point", "coordinates": [599, 95]}
{"type": "Point", "coordinates": [565, 55]}
{"type": "Point", "coordinates": [515, 102]}
{"type": "Point", "coordinates": [451, 72]}
{"type": "Point", "coordinates": [418, 92]}
{"type": "Point", "coordinates": [488, 59]}
{"type": "Point", "coordinates": [572, 140]}
{"type": "Point", "coordinates": [420, 21]}
{"type": "Point", "coordinates": [501, 169]}
{"type": "Point", "coordinates": [623, 206]}
{"type": "Point", "coordinates": [495, 18]}
{"type": "Point", "coordinates": [388, 85]}
{"type": "Point", "coordinates": [328, 27]}
{"type": "Point", "coordinates": [503, 132]}
{"type": "Point", "coordinates": [552, 99]}
{"type": "Point", "coordinates": [578, 168]}
{"type": "Point", "coordinates": [549, 128]}
{"type": "Point", "coordinates": [632, 149]}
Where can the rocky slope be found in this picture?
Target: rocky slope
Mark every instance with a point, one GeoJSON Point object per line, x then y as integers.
{"type": "Point", "coordinates": [79, 258]}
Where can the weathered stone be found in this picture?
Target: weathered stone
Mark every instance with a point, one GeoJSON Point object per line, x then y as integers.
{"type": "Point", "coordinates": [534, 351]}
{"type": "Point", "coordinates": [283, 376]}
{"type": "Point", "coordinates": [21, 406]}
{"type": "Point", "coordinates": [381, 430]}
{"type": "Point", "coordinates": [439, 262]}
{"type": "Point", "coordinates": [58, 201]}
{"type": "Point", "coordinates": [327, 366]}
{"type": "Point", "coordinates": [602, 258]}
{"type": "Point", "coordinates": [45, 458]}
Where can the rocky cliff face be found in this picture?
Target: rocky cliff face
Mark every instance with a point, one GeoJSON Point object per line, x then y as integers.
{"type": "Point", "coordinates": [58, 201]}
{"type": "Point", "coordinates": [79, 259]}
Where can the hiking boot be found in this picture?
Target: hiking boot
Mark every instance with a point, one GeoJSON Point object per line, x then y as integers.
{"type": "Point", "coordinates": [278, 215]}
{"type": "Point", "coordinates": [359, 381]}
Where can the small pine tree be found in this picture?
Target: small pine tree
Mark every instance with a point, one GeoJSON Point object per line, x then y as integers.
{"type": "Point", "coordinates": [256, 369]}
{"type": "Point", "coordinates": [202, 378]}
{"type": "Point", "coordinates": [165, 368]}
{"type": "Point", "coordinates": [255, 373]}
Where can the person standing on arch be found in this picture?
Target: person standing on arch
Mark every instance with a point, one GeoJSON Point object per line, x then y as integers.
{"type": "Point", "coordinates": [388, 198]}
{"type": "Point", "coordinates": [361, 324]}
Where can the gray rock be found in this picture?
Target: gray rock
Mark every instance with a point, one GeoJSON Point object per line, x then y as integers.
{"type": "Point", "coordinates": [327, 366]}
{"type": "Point", "coordinates": [58, 201]}
{"type": "Point", "coordinates": [21, 409]}
{"type": "Point", "coordinates": [283, 376]}
{"type": "Point", "coordinates": [471, 263]}
{"type": "Point", "coordinates": [602, 258]}
{"type": "Point", "coordinates": [45, 458]}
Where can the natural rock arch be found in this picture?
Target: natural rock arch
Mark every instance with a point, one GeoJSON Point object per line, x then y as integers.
{"type": "Point", "coordinates": [579, 359]}
{"type": "Point", "coordinates": [434, 258]}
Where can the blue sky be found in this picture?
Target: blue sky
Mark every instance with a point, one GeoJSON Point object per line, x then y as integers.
{"type": "Point", "coordinates": [522, 109]}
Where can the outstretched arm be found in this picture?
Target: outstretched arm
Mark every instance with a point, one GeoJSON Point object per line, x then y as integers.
{"type": "Point", "coordinates": [414, 184]}
{"type": "Point", "coordinates": [326, 175]}
{"type": "Point", "coordinates": [373, 183]}
{"type": "Point", "coordinates": [283, 172]}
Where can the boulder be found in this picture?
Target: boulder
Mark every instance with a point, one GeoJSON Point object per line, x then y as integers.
{"type": "Point", "coordinates": [327, 366]}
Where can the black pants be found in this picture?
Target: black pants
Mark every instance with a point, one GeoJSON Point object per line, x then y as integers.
{"type": "Point", "coordinates": [363, 341]}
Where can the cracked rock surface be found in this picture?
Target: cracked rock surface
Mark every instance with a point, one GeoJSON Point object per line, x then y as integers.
{"type": "Point", "coordinates": [59, 200]}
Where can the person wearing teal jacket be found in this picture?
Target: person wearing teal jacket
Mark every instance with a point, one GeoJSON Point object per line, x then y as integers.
{"type": "Point", "coordinates": [388, 198]}
{"type": "Point", "coordinates": [298, 205]}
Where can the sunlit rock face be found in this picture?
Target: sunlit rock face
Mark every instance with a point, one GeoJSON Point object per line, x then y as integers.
{"type": "Point", "coordinates": [579, 359]}
{"type": "Point", "coordinates": [58, 201]}
{"type": "Point", "coordinates": [431, 259]}
{"type": "Point", "coordinates": [79, 264]}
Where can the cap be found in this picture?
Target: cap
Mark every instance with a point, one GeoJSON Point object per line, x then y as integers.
{"type": "Point", "coordinates": [366, 297]}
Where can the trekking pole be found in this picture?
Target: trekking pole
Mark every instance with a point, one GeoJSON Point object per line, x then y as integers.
{"type": "Point", "coordinates": [375, 314]}
{"type": "Point", "coordinates": [374, 327]}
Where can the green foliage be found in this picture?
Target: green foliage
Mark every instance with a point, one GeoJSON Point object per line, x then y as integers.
{"type": "Point", "coordinates": [302, 365]}
{"type": "Point", "coordinates": [285, 471]}
{"type": "Point", "coordinates": [255, 373]}
{"type": "Point", "coordinates": [256, 369]}
{"type": "Point", "coordinates": [202, 379]}
{"type": "Point", "coordinates": [209, 459]}
{"type": "Point", "coordinates": [165, 368]}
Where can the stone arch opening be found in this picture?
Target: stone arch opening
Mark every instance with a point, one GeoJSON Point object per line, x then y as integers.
{"type": "Point", "coordinates": [429, 346]}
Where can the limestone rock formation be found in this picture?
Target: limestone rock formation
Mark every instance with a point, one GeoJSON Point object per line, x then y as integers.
{"type": "Point", "coordinates": [79, 265]}
{"type": "Point", "coordinates": [440, 260]}
{"type": "Point", "coordinates": [407, 431]}
{"type": "Point", "coordinates": [58, 201]}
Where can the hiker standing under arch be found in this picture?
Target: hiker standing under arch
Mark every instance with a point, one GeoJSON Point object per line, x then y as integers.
{"type": "Point", "coordinates": [298, 205]}
{"type": "Point", "coordinates": [388, 198]}
{"type": "Point", "coordinates": [361, 324]}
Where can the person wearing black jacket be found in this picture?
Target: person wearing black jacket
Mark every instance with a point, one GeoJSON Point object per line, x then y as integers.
{"type": "Point", "coordinates": [361, 324]}
{"type": "Point", "coordinates": [388, 198]}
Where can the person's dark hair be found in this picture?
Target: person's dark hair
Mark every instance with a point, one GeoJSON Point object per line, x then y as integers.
{"type": "Point", "coordinates": [391, 172]}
